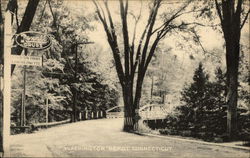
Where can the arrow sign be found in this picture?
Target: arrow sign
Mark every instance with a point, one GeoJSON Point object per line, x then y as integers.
{"type": "Point", "coordinates": [26, 60]}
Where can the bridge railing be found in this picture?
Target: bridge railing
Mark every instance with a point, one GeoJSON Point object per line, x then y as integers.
{"type": "Point", "coordinates": [49, 124]}
{"type": "Point", "coordinates": [83, 115]}
{"type": "Point", "coordinates": [115, 115]}
{"type": "Point", "coordinates": [88, 115]}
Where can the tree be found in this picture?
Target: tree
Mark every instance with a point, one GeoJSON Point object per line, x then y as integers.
{"type": "Point", "coordinates": [69, 28]}
{"type": "Point", "coordinates": [194, 96]}
{"type": "Point", "coordinates": [202, 109]}
{"type": "Point", "coordinates": [135, 60]}
{"type": "Point", "coordinates": [232, 17]}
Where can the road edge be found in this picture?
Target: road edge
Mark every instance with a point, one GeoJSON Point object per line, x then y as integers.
{"type": "Point", "coordinates": [194, 141]}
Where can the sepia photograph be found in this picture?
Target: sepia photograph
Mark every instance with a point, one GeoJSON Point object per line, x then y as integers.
{"type": "Point", "coordinates": [124, 78]}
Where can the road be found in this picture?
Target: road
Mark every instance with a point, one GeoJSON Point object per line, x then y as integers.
{"type": "Point", "coordinates": [104, 138]}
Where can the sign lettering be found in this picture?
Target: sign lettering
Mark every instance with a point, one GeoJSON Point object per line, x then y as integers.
{"type": "Point", "coordinates": [26, 60]}
{"type": "Point", "coordinates": [33, 40]}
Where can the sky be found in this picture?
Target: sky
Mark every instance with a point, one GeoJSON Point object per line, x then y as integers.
{"type": "Point", "coordinates": [210, 39]}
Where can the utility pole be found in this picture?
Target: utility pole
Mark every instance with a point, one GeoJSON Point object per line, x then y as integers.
{"type": "Point", "coordinates": [75, 80]}
{"type": "Point", "coordinates": [152, 86]}
{"type": "Point", "coordinates": [47, 110]}
{"type": "Point", "coordinates": [75, 48]}
{"type": "Point", "coordinates": [22, 120]}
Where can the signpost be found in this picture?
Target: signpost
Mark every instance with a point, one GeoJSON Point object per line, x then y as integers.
{"type": "Point", "coordinates": [7, 82]}
{"type": "Point", "coordinates": [28, 40]}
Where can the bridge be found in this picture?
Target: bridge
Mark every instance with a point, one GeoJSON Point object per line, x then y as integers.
{"type": "Point", "coordinates": [147, 112]}
{"type": "Point", "coordinates": [153, 112]}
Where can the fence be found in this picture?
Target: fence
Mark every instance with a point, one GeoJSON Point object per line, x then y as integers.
{"type": "Point", "coordinates": [89, 115]}
{"type": "Point", "coordinates": [84, 115]}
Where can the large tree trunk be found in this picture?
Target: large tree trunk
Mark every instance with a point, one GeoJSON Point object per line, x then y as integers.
{"type": "Point", "coordinates": [128, 109]}
{"type": "Point", "coordinates": [137, 99]}
{"type": "Point", "coordinates": [232, 60]}
{"type": "Point", "coordinates": [131, 107]}
{"type": "Point", "coordinates": [231, 17]}
{"type": "Point", "coordinates": [232, 107]}
{"type": "Point", "coordinates": [232, 38]}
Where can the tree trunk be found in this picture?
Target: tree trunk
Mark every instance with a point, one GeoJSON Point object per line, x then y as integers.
{"type": "Point", "coordinates": [152, 88]}
{"type": "Point", "coordinates": [232, 107]}
{"type": "Point", "coordinates": [131, 107]}
{"type": "Point", "coordinates": [1, 76]}
{"type": "Point", "coordinates": [232, 38]}
{"type": "Point", "coordinates": [163, 97]}
{"type": "Point", "coordinates": [230, 17]}
{"type": "Point", "coordinates": [137, 102]}
{"type": "Point", "coordinates": [232, 89]}
{"type": "Point", "coordinates": [128, 109]}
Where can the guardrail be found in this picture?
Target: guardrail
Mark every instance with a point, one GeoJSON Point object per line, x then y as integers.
{"type": "Point", "coordinates": [115, 114]}
{"type": "Point", "coordinates": [45, 125]}
{"type": "Point", "coordinates": [20, 129]}
{"type": "Point", "coordinates": [88, 115]}
{"type": "Point", "coordinates": [84, 115]}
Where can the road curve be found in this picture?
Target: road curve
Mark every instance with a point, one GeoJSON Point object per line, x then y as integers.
{"type": "Point", "coordinates": [104, 138]}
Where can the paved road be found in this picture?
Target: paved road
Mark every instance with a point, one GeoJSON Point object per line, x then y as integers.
{"type": "Point", "coordinates": [104, 138]}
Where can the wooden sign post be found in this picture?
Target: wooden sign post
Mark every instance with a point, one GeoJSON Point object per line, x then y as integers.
{"type": "Point", "coordinates": [7, 83]}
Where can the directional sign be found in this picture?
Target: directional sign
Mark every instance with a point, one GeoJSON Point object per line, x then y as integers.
{"type": "Point", "coordinates": [26, 60]}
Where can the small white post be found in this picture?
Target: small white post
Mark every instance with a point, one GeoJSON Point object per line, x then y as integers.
{"type": "Point", "coordinates": [101, 113]}
{"type": "Point", "coordinates": [97, 114]}
{"type": "Point", "coordinates": [80, 116]}
{"type": "Point", "coordinates": [86, 115]}
{"type": "Point", "coordinates": [47, 111]}
{"type": "Point", "coordinates": [7, 83]}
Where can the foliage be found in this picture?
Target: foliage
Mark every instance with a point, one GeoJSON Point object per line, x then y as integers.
{"type": "Point", "coordinates": [203, 113]}
{"type": "Point", "coordinates": [57, 80]}
{"type": "Point", "coordinates": [202, 110]}
{"type": "Point", "coordinates": [202, 100]}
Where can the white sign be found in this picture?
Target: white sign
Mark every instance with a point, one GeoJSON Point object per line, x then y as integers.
{"type": "Point", "coordinates": [26, 60]}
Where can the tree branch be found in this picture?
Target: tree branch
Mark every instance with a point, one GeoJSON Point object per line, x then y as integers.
{"type": "Point", "coordinates": [149, 33]}
{"type": "Point", "coordinates": [219, 11]}
{"type": "Point", "coordinates": [177, 14]}
{"type": "Point", "coordinates": [133, 45]}
{"type": "Point", "coordinates": [52, 13]}
{"type": "Point", "coordinates": [110, 21]}
{"type": "Point", "coordinates": [245, 19]}
{"type": "Point", "coordinates": [239, 7]}
{"type": "Point", "coordinates": [151, 53]}
{"type": "Point", "coordinates": [123, 14]}
{"type": "Point", "coordinates": [17, 21]}
{"type": "Point", "coordinates": [112, 41]}
{"type": "Point", "coordinates": [138, 53]}
{"type": "Point", "coordinates": [44, 7]}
